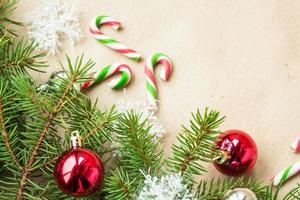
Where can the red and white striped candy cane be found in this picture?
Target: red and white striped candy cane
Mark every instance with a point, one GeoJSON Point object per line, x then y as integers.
{"type": "Point", "coordinates": [151, 84]}
{"type": "Point", "coordinates": [99, 21]}
{"type": "Point", "coordinates": [296, 145]}
{"type": "Point", "coordinates": [108, 71]}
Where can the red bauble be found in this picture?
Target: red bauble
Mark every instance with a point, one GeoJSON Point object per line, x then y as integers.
{"type": "Point", "coordinates": [240, 150]}
{"type": "Point", "coordinates": [79, 172]}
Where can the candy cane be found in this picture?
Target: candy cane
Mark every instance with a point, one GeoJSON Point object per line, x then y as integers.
{"type": "Point", "coordinates": [99, 21]}
{"type": "Point", "coordinates": [286, 174]}
{"type": "Point", "coordinates": [296, 145]}
{"type": "Point", "coordinates": [152, 61]}
{"type": "Point", "coordinates": [107, 71]}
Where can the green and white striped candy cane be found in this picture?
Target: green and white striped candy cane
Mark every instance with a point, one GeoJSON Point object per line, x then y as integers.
{"type": "Point", "coordinates": [285, 174]}
{"type": "Point", "coordinates": [99, 21]}
{"type": "Point", "coordinates": [108, 71]}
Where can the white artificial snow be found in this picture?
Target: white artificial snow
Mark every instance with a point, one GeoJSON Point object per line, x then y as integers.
{"type": "Point", "coordinates": [50, 22]}
{"type": "Point", "coordinates": [169, 187]}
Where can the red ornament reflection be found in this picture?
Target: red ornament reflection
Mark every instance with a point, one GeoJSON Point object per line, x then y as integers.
{"type": "Point", "coordinates": [241, 151]}
{"type": "Point", "coordinates": [79, 172]}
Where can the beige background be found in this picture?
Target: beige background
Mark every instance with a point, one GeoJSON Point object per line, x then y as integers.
{"type": "Point", "coordinates": [240, 57]}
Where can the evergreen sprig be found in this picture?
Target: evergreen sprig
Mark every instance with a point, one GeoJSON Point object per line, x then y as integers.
{"type": "Point", "coordinates": [17, 56]}
{"type": "Point", "coordinates": [197, 143]}
{"type": "Point", "coordinates": [10, 138]}
{"type": "Point", "coordinates": [294, 194]}
{"type": "Point", "coordinates": [120, 186]}
{"type": "Point", "coordinates": [95, 126]}
{"type": "Point", "coordinates": [138, 152]}
{"type": "Point", "coordinates": [6, 10]}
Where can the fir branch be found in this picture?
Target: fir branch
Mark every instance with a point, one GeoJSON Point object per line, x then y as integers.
{"type": "Point", "coordinates": [8, 187]}
{"type": "Point", "coordinates": [17, 58]}
{"type": "Point", "coordinates": [6, 9]}
{"type": "Point", "coordinates": [95, 126]}
{"type": "Point", "coordinates": [294, 194]}
{"type": "Point", "coordinates": [5, 136]}
{"type": "Point", "coordinates": [49, 162]}
{"type": "Point", "coordinates": [78, 72]}
{"type": "Point", "coordinates": [215, 190]}
{"type": "Point", "coordinates": [37, 104]}
{"type": "Point", "coordinates": [196, 144]}
{"type": "Point", "coordinates": [38, 144]}
{"type": "Point", "coordinates": [33, 122]}
{"type": "Point", "coordinates": [5, 94]}
{"type": "Point", "coordinates": [119, 186]}
{"type": "Point", "coordinates": [138, 150]}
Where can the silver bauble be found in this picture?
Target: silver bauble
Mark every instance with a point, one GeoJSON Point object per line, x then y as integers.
{"type": "Point", "coordinates": [56, 79]}
{"type": "Point", "coordinates": [239, 194]}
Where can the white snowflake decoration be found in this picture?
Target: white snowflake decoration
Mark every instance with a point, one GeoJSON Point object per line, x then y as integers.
{"type": "Point", "coordinates": [169, 187]}
{"type": "Point", "coordinates": [51, 21]}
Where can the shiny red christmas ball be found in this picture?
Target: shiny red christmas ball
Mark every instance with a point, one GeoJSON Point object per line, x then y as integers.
{"type": "Point", "coordinates": [79, 172]}
{"type": "Point", "coordinates": [239, 150]}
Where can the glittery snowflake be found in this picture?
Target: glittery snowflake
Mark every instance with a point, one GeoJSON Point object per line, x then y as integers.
{"type": "Point", "coordinates": [50, 22]}
{"type": "Point", "coordinates": [169, 187]}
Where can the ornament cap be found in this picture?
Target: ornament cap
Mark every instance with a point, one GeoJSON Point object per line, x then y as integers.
{"type": "Point", "coordinates": [76, 140]}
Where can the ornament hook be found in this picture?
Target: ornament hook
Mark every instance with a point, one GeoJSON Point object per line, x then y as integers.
{"type": "Point", "coordinates": [76, 140]}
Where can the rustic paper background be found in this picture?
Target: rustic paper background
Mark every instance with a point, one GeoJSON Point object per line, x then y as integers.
{"type": "Point", "coordinates": [240, 57]}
